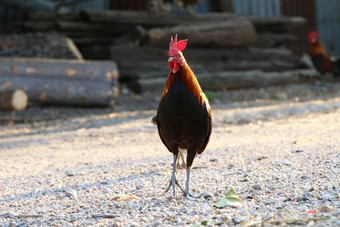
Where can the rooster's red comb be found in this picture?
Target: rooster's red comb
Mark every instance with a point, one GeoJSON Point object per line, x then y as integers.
{"type": "Point", "coordinates": [175, 46]}
{"type": "Point", "coordinates": [313, 34]}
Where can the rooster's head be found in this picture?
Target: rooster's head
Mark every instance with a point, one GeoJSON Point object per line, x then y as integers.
{"type": "Point", "coordinates": [313, 37]}
{"type": "Point", "coordinates": [176, 58]}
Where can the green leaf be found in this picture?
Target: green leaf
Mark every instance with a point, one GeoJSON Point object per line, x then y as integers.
{"type": "Point", "coordinates": [231, 198]}
{"type": "Point", "coordinates": [204, 223]}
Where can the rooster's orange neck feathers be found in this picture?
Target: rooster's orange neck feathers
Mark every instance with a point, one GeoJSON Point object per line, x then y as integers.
{"type": "Point", "coordinates": [187, 76]}
{"type": "Point", "coordinates": [318, 49]}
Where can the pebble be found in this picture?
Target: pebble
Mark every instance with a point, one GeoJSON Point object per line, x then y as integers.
{"type": "Point", "coordinates": [237, 220]}
{"type": "Point", "coordinates": [206, 195]}
{"type": "Point", "coordinates": [71, 193]}
{"type": "Point", "coordinates": [336, 214]}
{"type": "Point", "coordinates": [286, 162]}
{"type": "Point", "coordinates": [256, 187]}
{"type": "Point", "coordinates": [326, 198]}
{"type": "Point", "coordinates": [224, 217]}
{"type": "Point", "coordinates": [156, 223]}
{"type": "Point", "coordinates": [183, 210]}
{"type": "Point", "coordinates": [326, 208]}
{"type": "Point", "coordinates": [117, 220]}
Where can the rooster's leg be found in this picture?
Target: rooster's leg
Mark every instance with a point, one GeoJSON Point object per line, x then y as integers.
{"type": "Point", "coordinates": [173, 180]}
{"type": "Point", "coordinates": [186, 193]}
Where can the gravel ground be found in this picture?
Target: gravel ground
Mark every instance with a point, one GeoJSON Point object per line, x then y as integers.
{"type": "Point", "coordinates": [282, 158]}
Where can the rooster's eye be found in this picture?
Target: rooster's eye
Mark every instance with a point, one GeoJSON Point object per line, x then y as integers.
{"type": "Point", "coordinates": [178, 55]}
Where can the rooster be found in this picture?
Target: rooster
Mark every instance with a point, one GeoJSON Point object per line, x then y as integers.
{"type": "Point", "coordinates": [322, 62]}
{"type": "Point", "coordinates": [184, 115]}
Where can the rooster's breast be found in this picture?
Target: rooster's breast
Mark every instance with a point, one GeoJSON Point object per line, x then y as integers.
{"type": "Point", "coordinates": [181, 118]}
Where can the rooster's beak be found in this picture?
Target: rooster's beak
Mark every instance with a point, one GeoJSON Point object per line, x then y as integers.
{"type": "Point", "coordinates": [170, 59]}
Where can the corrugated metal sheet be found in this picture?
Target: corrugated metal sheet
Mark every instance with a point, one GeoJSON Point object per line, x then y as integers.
{"type": "Point", "coordinates": [328, 24]}
{"type": "Point", "coordinates": [203, 6]}
{"type": "Point", "coordinates": [302, 8]}
{"type": "Point", "coordinates": [263, 8]}
{"type": "Point", "coordinates": [8, 15]}
{"type": "Point", "coordinates": [91, 4]}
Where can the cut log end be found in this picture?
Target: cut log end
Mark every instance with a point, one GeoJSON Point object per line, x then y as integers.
{"type": "Point", "coordinates": [19, 100]}
{"type": "Point", "coordinates": [16, 100]}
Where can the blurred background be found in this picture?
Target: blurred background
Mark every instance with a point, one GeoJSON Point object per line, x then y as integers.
{"type": "Point", "coordinates": [94, 53]}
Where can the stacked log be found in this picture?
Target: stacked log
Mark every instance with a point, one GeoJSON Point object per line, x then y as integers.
{"type": "Point", "coordinates": [105, 27]}
{"type": "Point", "coordinates": [224, 80]}
{"type": "Point", "coordinates": [218, 42]}
{"type": "Point", "coordinates": [53, 81]}
{"type": "Point", "coordinates": [41, 45]}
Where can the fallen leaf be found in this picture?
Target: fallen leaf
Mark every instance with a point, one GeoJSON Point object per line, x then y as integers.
{"type": "Point", "coordinates": [204, 223]}
{"type": "Point", "coordinates": [231, 198]}
{"type": "Point", "coordinates": [311, 212]}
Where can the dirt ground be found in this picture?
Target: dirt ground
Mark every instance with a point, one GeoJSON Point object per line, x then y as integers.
{"type": "Point", "coordinates": [278, 147]}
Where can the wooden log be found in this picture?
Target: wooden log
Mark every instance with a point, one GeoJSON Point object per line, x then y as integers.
{"type": "Point", "coordinates": [14, 100]}
{"type": "Point", "coordinates": [48, 45]}
{"type": "Point", "coordinates": [197, 54]}
{"type": "Point", "coordinates": [237, 80]}
{"type": "Point", "coordinates": [277, 24]}
{"type": "Point", "coordinates": [269, 39]}
{"type": "Point", "coordinates": [83, 27]}
{"type": "Point", "coordinates": [48, 16]}
{"type": "Point", "coordinates": [33, 26]}
{"type": "Point", "coordinates": [151, 60]}
{"type": "Point", "coordinates": [237, 32]}
{"type": "Point", "coordinates": [53, 81]}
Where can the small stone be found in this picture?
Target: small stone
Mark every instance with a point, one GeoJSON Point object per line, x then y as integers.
{"type": "Point", "coordinates": [183, 210]}
{"type": "Point", "coordinates": [275, 177]}
{"type": "Point", "coordinates": [224, 217]}
{"type": "Point", "coordinates": [134, 224]}
{"type": "Point", "coordinates": [213, 160]}
{"type": "Point", "coordinates": [71, 193]}
{"type": "Point", "coordinates": [243, 212]}
{"type": "Point", "coordinates": [230, 166]}
{"type": "Point", "coordinates": [69, 173]}
{"type": "Point", "coordinates": [156, 223]}
{"type": "Point", "coordinates": [257, 187]}
{"type": "Point", "coordinates": [267, 217]}
{"type": "Point", "coordinates": [244, 180]}
{"type": "Point", "coordinates": [326, 209]}
{"type": "Point", "coordinates": [336, 214]}
{"type": "Point", "coordinates": [326, 198]}
{"type": "Point", "coordinates": [237, 220]}
{"type": "Point", "coordinates": [311, 223]}
{"type": "Point", "coordinates": [205, 195]}
{"type": "Point", "coordinates": [303, 198]}
{"type": "Point", "coordinates": [117, 220]}
{"type": "Point", "coordinates": [286, 162]}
